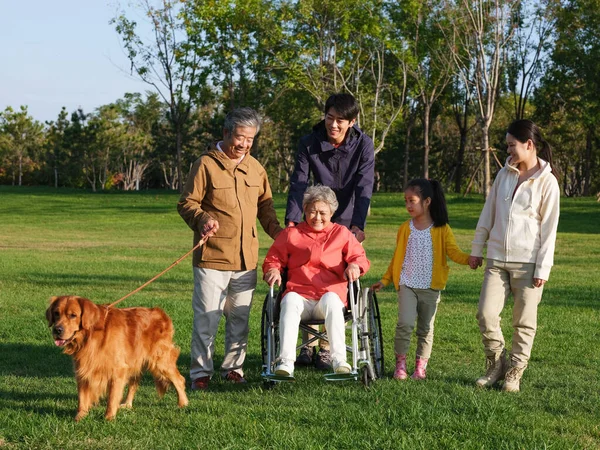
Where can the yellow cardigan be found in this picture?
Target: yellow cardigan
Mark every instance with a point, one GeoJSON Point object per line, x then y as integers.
{"type": "Point", "coordinates": [443, 244]}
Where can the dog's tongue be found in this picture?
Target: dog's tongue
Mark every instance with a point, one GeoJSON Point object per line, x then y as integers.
{"type": "Point", "coordinates": [59, 342]}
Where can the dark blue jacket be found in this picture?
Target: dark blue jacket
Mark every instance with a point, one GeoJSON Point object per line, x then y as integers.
{"type": "Point", "coordinates": [348, 170]}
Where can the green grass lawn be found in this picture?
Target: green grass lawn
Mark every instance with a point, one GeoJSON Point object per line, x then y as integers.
{"type": "Point", "coordinates": [103, 246]}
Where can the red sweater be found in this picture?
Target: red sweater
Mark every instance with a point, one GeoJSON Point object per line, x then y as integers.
{"type": "Point", "coordinates": [316, 260]}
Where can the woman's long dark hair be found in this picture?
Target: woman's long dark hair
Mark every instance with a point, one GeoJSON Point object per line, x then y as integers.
{"type": "Point", "coordinates": [523, 130]}
{"type": "Point", "coordinates": [431, 189]}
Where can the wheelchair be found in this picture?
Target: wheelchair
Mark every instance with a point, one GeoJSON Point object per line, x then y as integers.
{"type": "Point", "coordinates": [361, 317]}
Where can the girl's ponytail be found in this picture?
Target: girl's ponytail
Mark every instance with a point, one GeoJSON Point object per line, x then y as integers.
{"type": "Point", "coordinates": [432, 189]}
{"type": "Point", "coordinates": [438, 209]}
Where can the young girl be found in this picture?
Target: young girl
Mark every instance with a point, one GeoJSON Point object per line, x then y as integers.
{"type": "Point", "coordinates": [518, 222]}
{"type": "Point", "coordinates": [419, 270]}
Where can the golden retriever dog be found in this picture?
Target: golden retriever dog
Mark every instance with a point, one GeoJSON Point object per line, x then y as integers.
{"type": "Point", "coordinates": [110, 349]}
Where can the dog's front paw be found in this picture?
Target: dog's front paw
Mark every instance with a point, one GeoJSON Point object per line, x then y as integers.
{"type": "Point", "coordinates": [80, 415]}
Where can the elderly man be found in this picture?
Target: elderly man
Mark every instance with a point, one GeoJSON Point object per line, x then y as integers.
{"type": "Point", "coordinates": [227, 189]}
{"type": "Point", "coordinates": [339, 155]}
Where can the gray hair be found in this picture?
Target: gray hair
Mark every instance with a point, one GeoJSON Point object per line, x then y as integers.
{"type": "Point", "coordinates": [242, 117]}
{"type": "Point", "coordinates": [320, 193]}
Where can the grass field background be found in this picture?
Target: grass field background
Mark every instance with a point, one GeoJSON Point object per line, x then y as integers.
{"type": "Point", "coordinates": [104, 245]}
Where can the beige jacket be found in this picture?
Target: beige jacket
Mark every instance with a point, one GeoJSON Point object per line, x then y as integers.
{"type": "Point", "coordinates": [520, 228]}
{"type": "Point", "coordinates": [235, 195]}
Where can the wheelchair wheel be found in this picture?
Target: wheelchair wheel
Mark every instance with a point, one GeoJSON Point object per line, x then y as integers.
{"type": "Point", "coordinates": [375, 338]}
{"type": "Point", "coordinates": [365, 377]}
{"type": "Point", "coordinates": [265, 329]}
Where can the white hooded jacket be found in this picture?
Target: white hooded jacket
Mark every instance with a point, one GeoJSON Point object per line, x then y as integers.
{"type": "Point", "coordinates": [520, 228]}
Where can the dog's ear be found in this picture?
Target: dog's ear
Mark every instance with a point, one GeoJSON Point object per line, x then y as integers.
{"type": "Point", "coordinates": [90, 313]}
{"type": "Point", "coordinates": [49, 315]}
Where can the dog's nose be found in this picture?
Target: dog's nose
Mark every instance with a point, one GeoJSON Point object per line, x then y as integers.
{"type": "Point", "coordinates": [58, 330]}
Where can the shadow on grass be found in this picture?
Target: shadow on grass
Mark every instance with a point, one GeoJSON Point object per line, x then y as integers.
{"type": "Point", "coordinates": [252, 371]}
{"type": "Point", "coordinates": [74, 279]}
{"type": "Point", "coordinates": [39, 361]}
{"type": "Point", "coordinates": [553, 295]}
{"type": "Point", "coordinates": [27, 401]}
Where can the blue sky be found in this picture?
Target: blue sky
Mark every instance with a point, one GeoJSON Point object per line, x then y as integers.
{"type": "Point", "coordinates": [61, 53]}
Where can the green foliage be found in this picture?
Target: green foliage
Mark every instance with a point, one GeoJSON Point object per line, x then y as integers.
{"type": "Point", "coordinates": [20, 143]}
{"type": "Point", "coordinates": [104, 245]}
{"type": "Point", "coordinates": [567, 101]}
{"type": "Point", "coordinates": [436, 82]}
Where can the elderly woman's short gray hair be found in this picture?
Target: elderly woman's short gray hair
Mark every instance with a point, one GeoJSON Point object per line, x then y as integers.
{"type": "Point", "coordinates": [242, 117]}
{"type": "Point", "coordinates": [320, 193]}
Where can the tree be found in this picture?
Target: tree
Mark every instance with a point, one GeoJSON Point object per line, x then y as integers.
{"type": "Point", "coordinates": [568, 98]}
{"type": "Point", "coordinates": [534, 24]}
{"type": "Point", "coordinates": [460, 105]}
{"type": "Point", "coordinates": [481, 30]}
{"type": "Point", "coordinates": [170, 62]}
{"type": "Point", "coordinates": [20, 138]}
{"type": "Point", "coordinates": [56, 155]}
{"type": "Point", "coordinates": [329, 46]}
{"type": "Point", "coordinates": [420, 22]}
{"type": "Point", "coordinates": [139, 118]}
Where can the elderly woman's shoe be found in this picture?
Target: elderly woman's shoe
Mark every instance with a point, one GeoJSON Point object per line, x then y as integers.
{"type": "Point", "coordinates": [341, 367]}
{"type": "Point", "coordinates": [285, 369]}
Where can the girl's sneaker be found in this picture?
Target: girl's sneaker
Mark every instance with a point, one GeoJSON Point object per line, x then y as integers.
{"type": "Point", "coordinates": [420, 369]}
{"type": "Point", "coordinates": [400, 373]}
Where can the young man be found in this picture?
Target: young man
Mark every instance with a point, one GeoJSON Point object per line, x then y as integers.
{"type": "Point", "coordinates": [339, 155]}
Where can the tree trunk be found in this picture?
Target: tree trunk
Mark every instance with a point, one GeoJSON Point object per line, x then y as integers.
{"type": "Point", "coordinates": [179, 138]}
{"type": "Point", "coordinates": [20, 170]}
{"type": "Point", "coordinates": [587, 163]}
{"type": "Point", "coordinates": [426, 113]}
{"type": "Point", "coordinates": [486, 160]}
{"type": "Point", "coordinates": [464, 131]}
{"type": "Point", "coordinates": [407, 152]}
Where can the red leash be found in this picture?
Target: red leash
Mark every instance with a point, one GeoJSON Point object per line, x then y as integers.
{"type": "Point", "coordinates": [197, 246]}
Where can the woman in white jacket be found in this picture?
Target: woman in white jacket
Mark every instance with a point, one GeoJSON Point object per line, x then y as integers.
{"type": "Point", "coordinates": [518, 223]}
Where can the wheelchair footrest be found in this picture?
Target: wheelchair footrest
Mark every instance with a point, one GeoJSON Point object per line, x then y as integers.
{"type": "Point", "coordinates": [352, 376]}
{"type": "Point", "coordinates": [275, 377]}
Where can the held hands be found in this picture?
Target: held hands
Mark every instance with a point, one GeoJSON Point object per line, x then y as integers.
{"type": "Point", "coordinates": [475, 262]}
{"type": "Point", "coordinates": [273, 276]}
{"type": "Point", "coordinates": [352, 272]}
{"type": "Point", "coordinates": [377, 286]}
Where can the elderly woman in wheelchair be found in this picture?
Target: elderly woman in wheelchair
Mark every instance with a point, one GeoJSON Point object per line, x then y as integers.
{"type": "Point", "coordinates": [321, 257]}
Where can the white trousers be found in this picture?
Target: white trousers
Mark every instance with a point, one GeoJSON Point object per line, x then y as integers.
{"type": "Point", "coordinates": [218, 293]}
{"type": "Point", "coordinates": [295, 308]}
